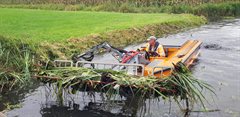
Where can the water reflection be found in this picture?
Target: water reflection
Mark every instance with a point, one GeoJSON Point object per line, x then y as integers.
{"type": "Point", "coordinates": [90, 104]}
{"type": "Point", "coordinates": [16, 95]}
{"type": "Point", "coordinates": [73, 110]}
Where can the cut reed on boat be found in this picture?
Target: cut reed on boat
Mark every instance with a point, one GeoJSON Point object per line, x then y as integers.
{"type": "Point", "coordinates": [181, 85]}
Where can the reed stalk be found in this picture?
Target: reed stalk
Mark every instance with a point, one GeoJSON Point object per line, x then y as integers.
{"type": "Point", "coordinates": [15, 63]}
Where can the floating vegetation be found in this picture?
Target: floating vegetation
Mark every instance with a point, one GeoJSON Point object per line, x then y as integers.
{"type": "Point", "coordinates": [181, 85]}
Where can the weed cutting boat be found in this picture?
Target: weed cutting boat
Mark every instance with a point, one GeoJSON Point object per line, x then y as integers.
{"type": "Point", "coordinates": [138, 62]}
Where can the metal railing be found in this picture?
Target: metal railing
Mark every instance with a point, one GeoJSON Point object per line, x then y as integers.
{"type": "Point", "coordinates": [136, 69]}
{"type": "Point", "coordinates": [133, 69]}
{"type": "Point", "coordinates": [63, 63]}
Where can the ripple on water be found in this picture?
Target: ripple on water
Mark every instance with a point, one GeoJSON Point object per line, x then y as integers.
{"type": "Point", "coordinates": [213, 46]}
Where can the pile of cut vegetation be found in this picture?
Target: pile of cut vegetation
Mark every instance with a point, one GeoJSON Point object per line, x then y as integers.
{"type": "Point", "coordinates": [181, 84]}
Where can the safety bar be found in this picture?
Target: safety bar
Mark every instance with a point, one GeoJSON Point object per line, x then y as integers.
{"type": "Point", "coordinates": [162, 68]}
{"type": "Point", "coordinates": [113, 65]}
{"type": "Point", "coordinates": [63, 63]}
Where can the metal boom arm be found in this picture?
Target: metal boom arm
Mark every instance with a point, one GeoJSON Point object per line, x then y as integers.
{"type": "Point", "coordinates": [89, 55]}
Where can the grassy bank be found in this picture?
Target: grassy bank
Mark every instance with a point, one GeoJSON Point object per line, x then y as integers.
{"type": "Point", "coordinates": [213, 10]}
{"type": "Point", "coordinates": [48, 35]}
{"type": "Point", "coordinates": [62, 33]}
{"type": "Point", "coordinates": [59, 34]}
{"type": "Point", "coordinates": [52, 26]}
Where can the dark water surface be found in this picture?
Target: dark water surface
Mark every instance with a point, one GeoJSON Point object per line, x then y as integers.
{"type": "Point", "coordinates": [219, 65]}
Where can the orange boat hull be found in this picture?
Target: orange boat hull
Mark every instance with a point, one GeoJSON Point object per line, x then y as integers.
{"type": "Point", "coordinates": [162, 66]}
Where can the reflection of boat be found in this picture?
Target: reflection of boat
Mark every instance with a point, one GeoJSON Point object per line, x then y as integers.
{"type": "Point", "coordinates": [135, 61]}
{"type": "Point", "coordinates": [124, 108]}
{"type": "Point", "coordinates": [74, 111]}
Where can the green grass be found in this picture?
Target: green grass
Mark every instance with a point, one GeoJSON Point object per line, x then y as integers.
{"type": "Point", "coordinates": [41, 25]}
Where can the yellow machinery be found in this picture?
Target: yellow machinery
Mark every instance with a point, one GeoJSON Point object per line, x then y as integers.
{"type": "Point", "coordinates": [162, 66]}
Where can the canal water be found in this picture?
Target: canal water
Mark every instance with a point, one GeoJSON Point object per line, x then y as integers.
{"type": "Point", "coordinates": [218, 65]}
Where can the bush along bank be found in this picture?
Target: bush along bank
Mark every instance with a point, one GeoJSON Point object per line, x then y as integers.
{"type": "Point", "coordinates": [117, 2]}
{"type": "Point", "coordinates": [15, 63]}
{"type": "Point", "coordinates": [211, 10]}
{"type": "Point", "coordinates": [16, 67]}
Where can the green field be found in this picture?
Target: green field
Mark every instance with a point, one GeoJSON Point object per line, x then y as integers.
{"type": "Point", "coordinates": [39, 25]}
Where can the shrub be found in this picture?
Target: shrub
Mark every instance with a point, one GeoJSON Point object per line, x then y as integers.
{"type": "Point", "coordinates": [150, 10]}
{"type": "Point", "coordinates": [126, 8]}
{"type": "Point", "coordinates": [106, 7]}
